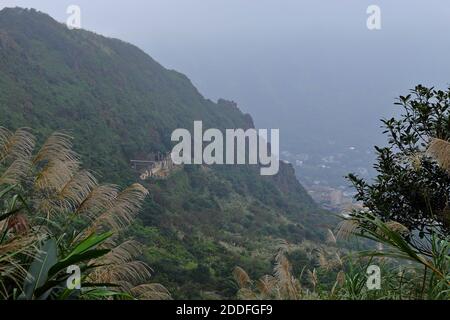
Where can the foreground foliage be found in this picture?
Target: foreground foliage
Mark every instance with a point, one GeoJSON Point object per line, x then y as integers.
{"type": "Point", "coordinates": [405, 215]}
{"type": "Point", "coordinates": [55, 215]}
{"type": "Point", "coordinates": [120, 104]}
{"type": "Point", "coordinates": [343, 275]}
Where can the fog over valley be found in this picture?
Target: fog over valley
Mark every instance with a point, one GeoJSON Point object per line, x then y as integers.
{"type": "Point", "coordinates": [312, 69]}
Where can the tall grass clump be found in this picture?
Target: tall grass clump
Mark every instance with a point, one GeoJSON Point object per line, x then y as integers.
{"type": "Point", "coordinates": [54, 214]}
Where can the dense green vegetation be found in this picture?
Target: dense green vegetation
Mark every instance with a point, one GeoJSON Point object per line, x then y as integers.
{"type": "Point", "coordinates": [404, 221]}
{"type": "Point", "coordinates": [119, 104]}
{"type": "Point", "coordinates": [411, 187]}
{"type": "Point", "coordinates": [201, 222]}
{"type": "Point", "coordinates": [61, 231]}
{"type": "Point", "coordinates": [343, 275]}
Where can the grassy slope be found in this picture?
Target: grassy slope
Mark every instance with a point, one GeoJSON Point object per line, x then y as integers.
{"type": "Point", "coordinates": [120, 104]}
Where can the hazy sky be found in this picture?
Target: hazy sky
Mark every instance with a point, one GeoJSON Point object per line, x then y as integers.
{"type": "Point", "coordinates": [311, 68]}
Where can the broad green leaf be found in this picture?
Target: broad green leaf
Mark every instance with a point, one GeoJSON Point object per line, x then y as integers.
{"type": "Point", "coordinates": [38, 272]}
{"type": "Point", "coordinates": [90, 242]}
{"type": "Point", "coordinates": [77, 259]}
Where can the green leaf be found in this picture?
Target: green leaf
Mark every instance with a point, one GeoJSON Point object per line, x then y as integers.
{"type": "Point", "coordinates": [38, 272]}
{"type": "Point", "coordinates": [90, 242]}
{"type": "Point", "coordinates": [77, 259]}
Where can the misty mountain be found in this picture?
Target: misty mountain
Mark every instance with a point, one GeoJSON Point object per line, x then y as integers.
{"type": "Point", "coordinates": [119, 104]}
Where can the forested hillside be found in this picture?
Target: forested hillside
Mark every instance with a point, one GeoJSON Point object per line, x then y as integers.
{"type": "Point", "coordinates": [119, 104]}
